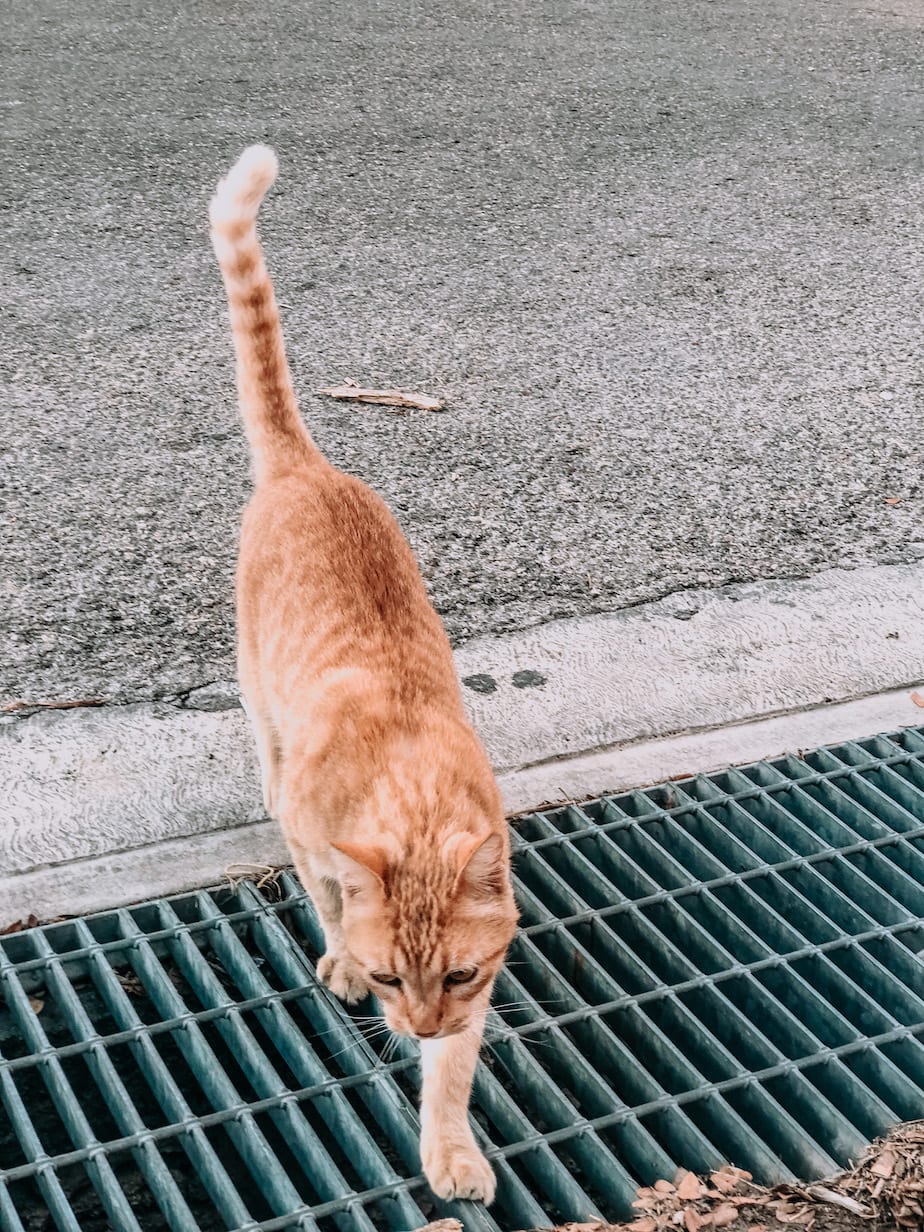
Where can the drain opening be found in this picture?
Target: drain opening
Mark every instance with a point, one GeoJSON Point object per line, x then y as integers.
{"type": "Point", "coordinates": [726, 968]}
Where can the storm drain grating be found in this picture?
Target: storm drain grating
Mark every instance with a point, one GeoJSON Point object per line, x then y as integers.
{"type": "Point", "coordinates": [724, 968]}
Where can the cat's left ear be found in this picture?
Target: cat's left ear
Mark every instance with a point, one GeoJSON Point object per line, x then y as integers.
{"type": "Point", "coordinates": [482, 867]}
{"type": "Point", "coordinates": [362, 867]}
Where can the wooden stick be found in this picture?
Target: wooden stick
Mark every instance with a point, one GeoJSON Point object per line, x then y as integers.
{"type": "Point", "coordinates": [384, 397]}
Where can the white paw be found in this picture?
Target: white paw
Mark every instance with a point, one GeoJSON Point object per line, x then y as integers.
{"type": "Point", "coordinates": [460, 1172]}
{"type": "Point", "coordinates": [342, 977]}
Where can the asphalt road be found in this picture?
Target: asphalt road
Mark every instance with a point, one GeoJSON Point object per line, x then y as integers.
{"type": "Point", "coordinates": [662, 260]}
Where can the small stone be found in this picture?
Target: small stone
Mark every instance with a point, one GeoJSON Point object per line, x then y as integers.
{"type": "Point", "coordinates": [219, 695]}
{"type": "Point", "coordinates": [527, 679]}
{"type": "Point", "coordinates": [481, 682]}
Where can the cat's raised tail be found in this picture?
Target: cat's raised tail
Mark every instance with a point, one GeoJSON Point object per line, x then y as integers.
{"type": "Point", "coordinates": [278, 438]}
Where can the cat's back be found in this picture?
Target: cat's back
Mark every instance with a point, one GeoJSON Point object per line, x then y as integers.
{"type": "Point", "coordinates": [318, 539]}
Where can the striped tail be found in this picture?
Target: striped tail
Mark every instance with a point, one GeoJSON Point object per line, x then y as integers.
{"type": "Point", "coordinates": [278, 438]}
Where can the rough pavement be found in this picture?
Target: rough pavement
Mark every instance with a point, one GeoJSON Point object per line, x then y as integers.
{"type": "Point", "coordinates": [662, 261]}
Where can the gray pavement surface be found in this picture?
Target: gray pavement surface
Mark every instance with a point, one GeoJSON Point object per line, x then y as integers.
{"type": "Point", "coordinates": [662, 260]}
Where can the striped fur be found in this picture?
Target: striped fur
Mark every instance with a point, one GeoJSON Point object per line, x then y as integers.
{"type": "Point", "coordinates": [383, 791]}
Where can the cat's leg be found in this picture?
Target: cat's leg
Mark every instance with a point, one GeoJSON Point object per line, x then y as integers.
{"type": "Point", "coordinates": [452, 1162]}
{"type": "Point", "coordinates": [267, 754]}
{"type": "Point", "coordinates": [336, 966]}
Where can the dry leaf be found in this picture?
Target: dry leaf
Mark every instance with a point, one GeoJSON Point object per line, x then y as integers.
{"type": "Point", "coordinates": [833, 1198]}
{"type": "Point", "coordinates": [786, 1212]}
{"type": "Point", "coordinates": [448, 1225]}
{"type": "Point", "coordinates": [383, 397]}
{"type": "Point", "coordinates": [724, 1213]}
{"type": "Point", "coordinates": [723, 1182]}
{"type": "Point", "coordinates": [740, 1174]}
{"type": "Point", "coordinates": [643, 1225]}
{"type": "Point", "coordinates": [19, 926]}
{"type": "Point", "coordinates": [37, 1004]}
{"type": "Point", "coordinates": [917, 699]}
{"type": "Point", "coordinates": [664, 1187]}
{"type": "Point", "coordinates": [689, 1188]}
{"type": "Point", "coordinates": [758, 1227]}
{"type": "Point", "coordinates": [692, 1221]}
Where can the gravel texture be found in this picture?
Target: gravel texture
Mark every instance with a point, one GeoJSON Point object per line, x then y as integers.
{"type": "Point", "coordinates": [661, 261]}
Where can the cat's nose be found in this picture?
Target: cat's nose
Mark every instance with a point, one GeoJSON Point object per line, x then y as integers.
{"type": "Point", "coordinates": [426, 1034]}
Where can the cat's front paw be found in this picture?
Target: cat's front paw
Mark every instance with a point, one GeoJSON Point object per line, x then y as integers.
{"type": "Point", "coordinates": [459, 1172]}
{"type": "Point", "coordinates": [342, 977]}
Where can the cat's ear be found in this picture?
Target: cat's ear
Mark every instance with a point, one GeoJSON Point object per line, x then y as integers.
{"type": "Point", "coordinates": [482, 867]}
{"type": "Point", "coordinates": [362, 866]}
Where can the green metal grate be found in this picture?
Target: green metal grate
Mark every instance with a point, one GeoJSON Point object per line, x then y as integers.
{"type": "Point", "coordinates": [724, 968]}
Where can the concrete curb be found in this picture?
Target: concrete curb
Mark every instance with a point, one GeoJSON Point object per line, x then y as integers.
{"type": "Point", "coordinates": [128, 802]}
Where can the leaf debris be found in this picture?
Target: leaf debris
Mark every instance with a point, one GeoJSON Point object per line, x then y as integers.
{"type": "Point", "coordinates": [19, 926]}
{"type": "Point", "coordinates": [349, 390]}
{"type": "Point", "coordinates": [885, 1185]}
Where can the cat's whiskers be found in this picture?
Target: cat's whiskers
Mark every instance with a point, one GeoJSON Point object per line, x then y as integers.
{"type": "Point", "coordinates": [495, 1028]}
{"type": "Point", "coordinates": [494, 1034]}
{"type": "Point", "coordinates": [337, 1029]}
{"type": "Point", "coordinates": [365, 1037]}
{"type": "Point", "coordinates": [391, 1047]}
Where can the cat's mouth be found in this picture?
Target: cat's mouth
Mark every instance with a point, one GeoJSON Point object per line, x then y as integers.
{"type": "Point", "coordinates": [443, 1033]}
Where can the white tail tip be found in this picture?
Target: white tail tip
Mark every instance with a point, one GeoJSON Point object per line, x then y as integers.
{"type": "Point", "coordinates": [239, 194]}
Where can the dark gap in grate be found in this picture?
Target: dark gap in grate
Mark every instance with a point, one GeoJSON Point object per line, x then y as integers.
{"type": "Point", "coordinates": [737, 977]}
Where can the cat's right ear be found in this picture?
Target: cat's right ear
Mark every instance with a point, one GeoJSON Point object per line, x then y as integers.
{"type": "Point", "coordinates": [483, 871]}
{"type": "Point", "coordinates": [361, 868]}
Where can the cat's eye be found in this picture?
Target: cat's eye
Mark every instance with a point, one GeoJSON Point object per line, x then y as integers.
{"type": "Point", "coordinates": [463, 976]}
{"type": "Point", "coordinates": [382, 977]}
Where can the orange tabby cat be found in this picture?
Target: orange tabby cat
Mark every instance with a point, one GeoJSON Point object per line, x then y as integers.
{"type": "Point", "coordinates": [383, 791]}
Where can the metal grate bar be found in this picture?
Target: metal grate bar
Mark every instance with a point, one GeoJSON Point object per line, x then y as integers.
{"type": "Point", "coordinates": [729, 918]}
{"type": "Point", "coordinates": [326, 1179]}
{"type": "Point", "coordinates": [793, 865]}
{"type": "Point", "coordinates": [729, 966]}
{"type": "Point", "coordinates": [582, 1083]}
{"type": "Point", "coordinates": [884, 933]}
{"type": "Point", "coordinates": [210, 1074]}
{"type": "Point", "coordinates": [9, 1217]}
{"type": "Point", "coordinates": [675, 1135]}
{"type": "Point", "coordinates": [67, 1103]}
{"type": "Point", "coordinates": [340, 1119]}
{"type": "Point", "coordinates": [701, 1051]}
{"type": "Point", "coordinates": [127, 1119]}
{"type": "Point", "coordinates": [808, 820]}
{"type": "Point", "coordinates": [28, 1141]}
{"type": "Point", "coordinates": [710, 1090]}
{"type": "Point", "coordinates": [625, 970]}
{"type": "Point", "coordinates": [160, 1081]}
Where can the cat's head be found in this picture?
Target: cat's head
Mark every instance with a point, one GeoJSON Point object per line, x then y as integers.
{"type": "Point", "coordinates": [429, 927]}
